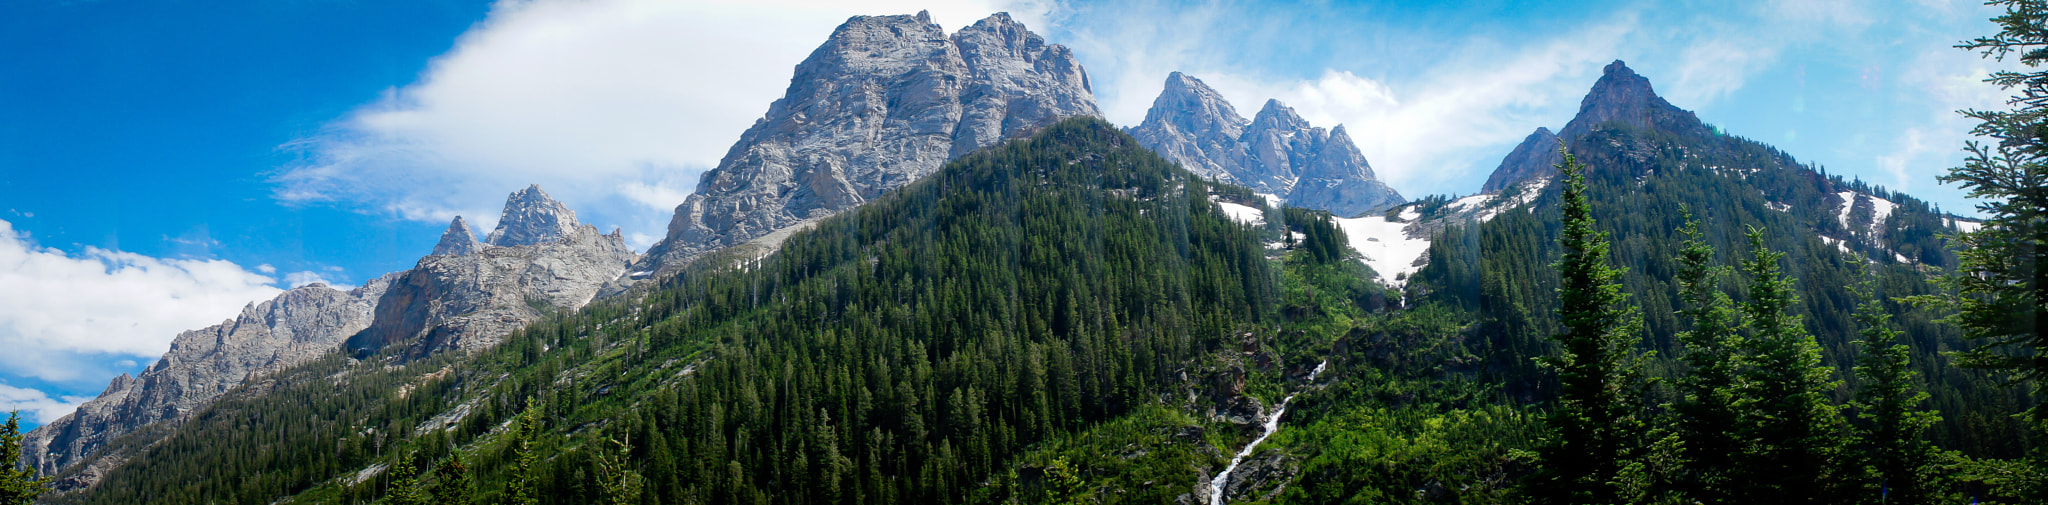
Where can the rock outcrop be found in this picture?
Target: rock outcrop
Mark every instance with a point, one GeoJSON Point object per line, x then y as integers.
{"type": "Point", "coordinates": [1620, 96]}
{"type": "Point", "coordinates": [531, 217]}
{"type": "Point", "coordinates": [538, 259]}
{"type": "Point", "coordinates": [458, 240]}
{"type": "Point", "coordinates": [885, 101]}
{"type": "Point", "coordinates": [296, 326]}
{"type": "Point", "coordinates": [1277, 152]}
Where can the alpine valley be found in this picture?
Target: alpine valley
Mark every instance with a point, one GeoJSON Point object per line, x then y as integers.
{"type": "Point", "coordinates": [933, 273]}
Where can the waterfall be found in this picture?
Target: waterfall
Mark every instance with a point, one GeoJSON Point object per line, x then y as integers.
{"type": "Point", "coordinates": [1272, 425]}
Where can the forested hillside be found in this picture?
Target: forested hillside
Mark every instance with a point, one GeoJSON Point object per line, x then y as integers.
{"type": "Point", "coordinates": [901, 352]}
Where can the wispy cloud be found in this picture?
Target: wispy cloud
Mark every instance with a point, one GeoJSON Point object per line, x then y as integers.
{"type": "Point", "coordinates": [63, 317]}
{"type": "Point", "coordinates": [36, 406]}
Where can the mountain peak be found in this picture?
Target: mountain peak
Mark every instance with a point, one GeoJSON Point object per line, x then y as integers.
{"type": "Point", "coordinates": [532, 217]}
{"type": "Point", "coordinates": [1622, 95]}
{"type": "Point", "coordinates": [1278, 116]}
{"type": "Point", "coordinates": [458, 240]}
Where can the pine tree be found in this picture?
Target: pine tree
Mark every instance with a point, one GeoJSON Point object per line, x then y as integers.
{"type": "Point", "coordinates": [522, 490]}
{"type": "Point", "coordinates": [18, 484]}
{"type": "Point", "coordinates": [1999, 288]}
{"type": "Point", "coordinates": [1889, 406]}
{"type": "Point", "coordinates": [1705, 412]}
{"type": "Point", "coordinates": [1793, 432]}
{"type": "Point", "coordinates": [452, 485]}
{"type": "Point", "coordinates": [1597, 425]}
{"type": "Point", "coordinates": [621, 485]}
{"type": "Point", "coordinates": [405, 488]}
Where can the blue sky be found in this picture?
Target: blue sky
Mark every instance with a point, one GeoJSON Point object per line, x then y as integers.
{"type": "Point", "coordinates": [162, 163]}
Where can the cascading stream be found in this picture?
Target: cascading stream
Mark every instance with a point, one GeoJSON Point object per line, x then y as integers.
{"type": "Point", "coordinates": [1272, 425]}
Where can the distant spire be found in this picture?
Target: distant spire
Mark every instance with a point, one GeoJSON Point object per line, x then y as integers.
{"type": "Point", "coordinates": [458, 240]}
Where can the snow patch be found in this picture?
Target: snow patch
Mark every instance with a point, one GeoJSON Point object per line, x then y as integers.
{"type": "Point", "coordinates": [1965, 226]}
{"type": "Point", "coordinates": [1385, 246]}
{"type": "Point", "coordinates": [1838, 243]}
{"type": "Point", "coordinates": [1244, 213]}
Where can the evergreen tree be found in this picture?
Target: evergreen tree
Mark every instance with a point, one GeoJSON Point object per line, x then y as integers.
{"type": "Point", "coordinates": [1889, 406]}
{"type": "Point", "coordinates": [1999, 287]}
{"type": "Point", "coordinates": [1792, 430]}
{"type": "Point", "coordinates": [1597, 428]}
{"type": "Point", "coordinates": [1705, 411]}
{"type": "Point", "coordinates": [452, 485]}
{"type": "Point", "coordinates": [618, 483]}
{"type": "Point", "coordinates": [18, 484]}
{"type": "Point", "coordinates": [522, 490]}
{"type": "Point", "coordinates": [405, 487]}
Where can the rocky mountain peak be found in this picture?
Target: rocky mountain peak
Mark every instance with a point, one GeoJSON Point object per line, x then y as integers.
{"type": "Point", "coordinates": [1191, 105]}
{"type": "Point", "coordinates": [1278, 116]}
{"type": "Point", "coordinates": [1619, 96]}
{"type": "Point", "coordinates": [884, 101]}
{"type": "Point", "coordinates": [1624, 96]}
{"type": "Point", "coordinates": [532, 217]}
{"type": "Point", "coordinates": [458, 240]}
{"type": "Point", "coordinates": [1277, 152]}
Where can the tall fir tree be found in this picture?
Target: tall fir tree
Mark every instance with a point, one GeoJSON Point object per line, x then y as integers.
{"type": "Point", "coordinates": [19, 484]}
{"type": "Point", "coordinates": [1888, 405]}
{"type": "Point", "coordinates": [2000, 286]}
{"type": "Point", "coordinates": [452, 485]}
{"type": "Point", "coordinates": [1597, 428]}
{"type": "Point", "coordinates": [405, 486]}
{"type": "Point", "coordinates": [522, 489]}
{"type": "Point", "coordinates": [1705, 411]}
{"type": "Point", "coordinates": [1792, 430]}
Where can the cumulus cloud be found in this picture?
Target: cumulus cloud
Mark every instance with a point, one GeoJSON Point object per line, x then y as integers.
{"type": "Point", "coordinates": [615, 106]}
{"type": "Point", "coordinates": [63, 317]}
{"type": "Point", "coordinates": [36, 406]}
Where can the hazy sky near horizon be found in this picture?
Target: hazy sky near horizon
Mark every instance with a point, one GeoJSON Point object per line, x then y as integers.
{"type": "Point", "coordinates": [162, 164]}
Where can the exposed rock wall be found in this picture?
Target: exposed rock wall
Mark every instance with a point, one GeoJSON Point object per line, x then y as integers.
{"type": "Point", "coordinates": [885, 101]}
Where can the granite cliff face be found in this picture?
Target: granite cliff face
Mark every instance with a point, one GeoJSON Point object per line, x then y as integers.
{"type": "Point", "coordinates": [1620, 96]}
{"type": "Point", "coordinates": [885, 101]}
{"type": "Point", "coordinates": [1276, 152]}
{"type": "Point", "coordinates": [539, 258]}
{"type": "Point", "coordinates": [296, 326]}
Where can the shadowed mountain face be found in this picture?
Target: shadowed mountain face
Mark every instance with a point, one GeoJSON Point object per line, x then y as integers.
{"type": "Point", "coordinates": [1276, 152]}
{"type": "Point", "coordinates": [883, 102]}
{"type": "Point", "coordinates": [1620, 96]}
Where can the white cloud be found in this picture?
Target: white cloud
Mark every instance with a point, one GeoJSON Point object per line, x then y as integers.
{"type": "Point", "coordinates": [615, 106]}
{"type": "Point", "coordinates": [266, 268]}
{"type": "Point", "coordinates": [36, 406]}
{"type": "Point", "coordinates": [296, 279]}
{"type": "Point", "coordinates": [1908, 148]}
{"type": "Point", "coordinates": [63, 316]}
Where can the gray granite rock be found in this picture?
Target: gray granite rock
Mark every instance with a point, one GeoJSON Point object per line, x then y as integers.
{"type": "Point", "coordinates": [1620, 97]}
{"type": "Point", "coordinates": [885, 101]}
{"type": "Point", "coordinates": [458, 240]}
{"type": "Point", "coordinates": [471, 301]}
{"type": "Point", "coordinates": [296, 326]}
{"type": "Point", "coordinates": [532, 217]}
{"type": "Point", "coordinates": [1277, 152]}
